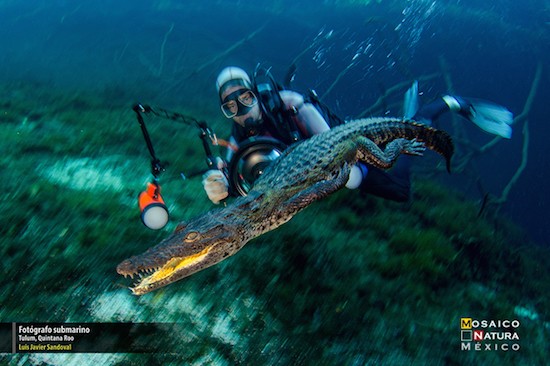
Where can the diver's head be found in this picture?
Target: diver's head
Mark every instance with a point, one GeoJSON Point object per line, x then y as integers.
{"type": "Point", "coordinates": [237, 99]}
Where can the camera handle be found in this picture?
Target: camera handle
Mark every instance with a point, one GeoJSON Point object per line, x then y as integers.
{"type": "Point", "coordinates": [156, 166]}
{"type": "Point", "coordinates": [205, 134]}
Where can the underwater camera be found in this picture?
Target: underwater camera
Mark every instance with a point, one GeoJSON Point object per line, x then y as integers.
{"type": "Point", "coordinates": [154, 213]}
{"type": "Point", "coordinates": [250, 161]}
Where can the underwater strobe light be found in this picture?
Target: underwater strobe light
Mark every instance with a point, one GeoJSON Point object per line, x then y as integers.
{"type": "Point", "coordinates": [154, 213]}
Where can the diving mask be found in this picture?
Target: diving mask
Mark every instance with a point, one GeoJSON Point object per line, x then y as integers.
{"type": "Point", "coordinates": [233, 102]}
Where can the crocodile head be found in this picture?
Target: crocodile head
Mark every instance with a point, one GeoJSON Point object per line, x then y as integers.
{"type": "Point", "coordinates": [192, 247]}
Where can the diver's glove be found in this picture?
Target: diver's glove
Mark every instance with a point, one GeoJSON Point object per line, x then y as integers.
{"type": "Point", "coordinates": [216, 185]}
{"type": "Point", "coordinates": [357, 173]}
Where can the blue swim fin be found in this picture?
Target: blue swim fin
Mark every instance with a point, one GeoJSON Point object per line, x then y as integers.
{"type": "Point", "coordinates": [410, 104]}
{"type": "Point", "coordinates": [491, 117]}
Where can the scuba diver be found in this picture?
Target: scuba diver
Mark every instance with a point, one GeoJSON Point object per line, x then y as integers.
{"type": "Point", "coordinates": [262, 109]}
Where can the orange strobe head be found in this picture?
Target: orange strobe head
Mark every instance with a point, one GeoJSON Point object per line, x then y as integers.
{"type": "Point", "coordinates": [154, 213]}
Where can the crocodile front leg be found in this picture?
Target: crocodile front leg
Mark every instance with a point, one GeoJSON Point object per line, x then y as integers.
{"type": "Point", "coordinates": [369, 152]}
{"type": "Point", "coordinates": [319, 190]}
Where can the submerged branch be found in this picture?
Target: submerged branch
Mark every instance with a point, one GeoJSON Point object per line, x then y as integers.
{"type": "Point", "coordinates": [525, 150]}
{"type": "Point", "coordinates": [157, 71]}
{"type": "Point", "coordinates": [227, 51]}
{"type": "Point", "coordinates": [181, 82]}
{"type": "Point", "coordinates": [526, 109]}
{"type": "Point", "coordinates": [340, 75]}
{"type": "Point", "coordinates": [396, 88]}
{"type": "Point", "coordinates": [524, 157]}
{"type": "Point", "coordinates": [162, 46]}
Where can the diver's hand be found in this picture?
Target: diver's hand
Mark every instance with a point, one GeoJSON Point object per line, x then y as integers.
{"type": "Point", "coordinates": [216, 185]}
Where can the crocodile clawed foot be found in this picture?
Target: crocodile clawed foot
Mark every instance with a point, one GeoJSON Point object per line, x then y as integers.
{"type": "Point", "coordinates": [414, 147]}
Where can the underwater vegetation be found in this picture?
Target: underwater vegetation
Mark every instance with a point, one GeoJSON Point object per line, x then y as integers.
{"type": "Point", "coordinates": [350, 280]}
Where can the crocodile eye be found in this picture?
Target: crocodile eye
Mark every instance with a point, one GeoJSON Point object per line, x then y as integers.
{"type": "Point", "coordinates": [192, 236]}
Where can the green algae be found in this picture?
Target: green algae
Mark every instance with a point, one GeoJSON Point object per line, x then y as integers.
{"type": "Point", "coordinates": [350, 280]}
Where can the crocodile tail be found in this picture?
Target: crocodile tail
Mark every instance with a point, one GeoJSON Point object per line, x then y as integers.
{"type": "Point", "coordinates": [388, 129]}
{"type": "Point", "coordinates": [434, 139]}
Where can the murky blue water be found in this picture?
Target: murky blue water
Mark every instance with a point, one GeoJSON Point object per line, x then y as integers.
{"type": "Point", "coordinates": [169, 53]}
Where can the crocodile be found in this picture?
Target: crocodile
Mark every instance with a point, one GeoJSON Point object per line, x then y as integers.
{"type": "Point", "coordinates": [306, 172]}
